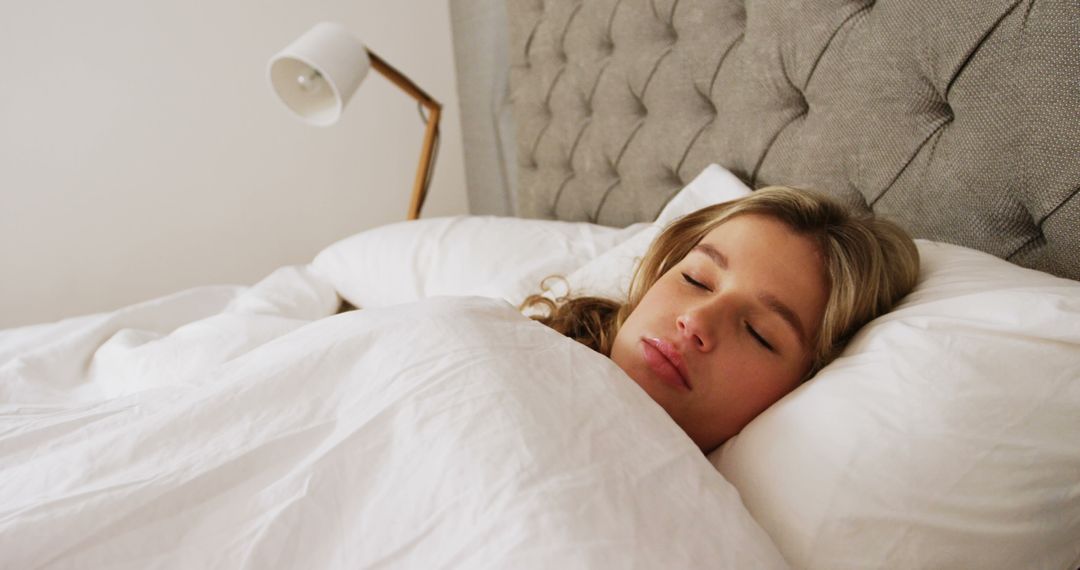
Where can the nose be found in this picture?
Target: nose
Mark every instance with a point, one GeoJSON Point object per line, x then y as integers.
{"type": "Point", "coordinates": [693, 325]}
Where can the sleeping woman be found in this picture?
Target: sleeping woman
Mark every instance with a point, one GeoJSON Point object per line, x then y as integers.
{"type": "Point", "coordinates": [736, 304]}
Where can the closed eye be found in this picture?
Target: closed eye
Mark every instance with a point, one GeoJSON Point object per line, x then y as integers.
{"type": "Point", "coordinates": [695, 282]}
{"type": "Point", "coordinates": [761, 340]}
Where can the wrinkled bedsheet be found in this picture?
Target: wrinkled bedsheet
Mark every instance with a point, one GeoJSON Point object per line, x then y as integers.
{"type": "Point", "coordinates": [231, 427]}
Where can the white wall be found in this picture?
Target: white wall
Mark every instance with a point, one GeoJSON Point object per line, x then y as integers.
{"type": "Point", "coordinates": [142, 151]}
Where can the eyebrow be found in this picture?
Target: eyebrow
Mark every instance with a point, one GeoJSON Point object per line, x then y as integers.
{"type": "Point", "coordinates": [717, 257]}
{"type": "Point", "coordinates": [768, 299]}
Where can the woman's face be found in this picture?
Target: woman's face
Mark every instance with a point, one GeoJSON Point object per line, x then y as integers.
{"type": "Point", "coordinates": [729, 329]}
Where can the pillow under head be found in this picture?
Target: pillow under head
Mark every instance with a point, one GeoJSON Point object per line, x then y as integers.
{"type": "Point", "coordinates": [946, 435]}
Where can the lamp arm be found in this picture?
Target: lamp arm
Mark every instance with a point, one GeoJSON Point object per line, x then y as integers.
{"type": "Point", "coordinates": [431, 132]}
{"type": "Point", "coordinates": [398, 78]}
{"type": "Point", "coordinates": [427, 162]}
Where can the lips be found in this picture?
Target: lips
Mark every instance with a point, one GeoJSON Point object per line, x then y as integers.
{"type": "Point", "coordinates": [666, 362]}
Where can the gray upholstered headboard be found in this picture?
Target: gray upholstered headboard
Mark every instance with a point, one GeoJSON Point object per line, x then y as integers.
{"type": "Point", "coordinates": [960, 119]}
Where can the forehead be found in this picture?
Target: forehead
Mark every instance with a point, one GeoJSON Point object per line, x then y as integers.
{"type": "Point", "coordinates": [767, 255]}
{"type": "Point", "coordinates": [755, 232]}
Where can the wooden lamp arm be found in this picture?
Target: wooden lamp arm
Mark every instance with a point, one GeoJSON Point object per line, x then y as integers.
{"type": "Point", "coordinates": [434, 109]}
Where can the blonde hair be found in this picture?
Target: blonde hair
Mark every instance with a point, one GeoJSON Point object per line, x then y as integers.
{"type": "Point", "coordinates": [870, 263]}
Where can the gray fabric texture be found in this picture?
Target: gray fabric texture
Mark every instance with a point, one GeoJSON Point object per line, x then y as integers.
{"type": "Point", "coordinates": [959, 119]}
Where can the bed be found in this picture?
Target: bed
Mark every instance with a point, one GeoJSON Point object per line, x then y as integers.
{"type": "Point", "coordinates": [254, 427]}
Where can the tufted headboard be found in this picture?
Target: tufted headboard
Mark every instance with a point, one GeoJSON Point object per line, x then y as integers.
{"type": "Point", "coordinates": [959, 119]}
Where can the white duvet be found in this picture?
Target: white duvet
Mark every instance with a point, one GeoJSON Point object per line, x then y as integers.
{"type": "Point", "coordinates": [248, 428]}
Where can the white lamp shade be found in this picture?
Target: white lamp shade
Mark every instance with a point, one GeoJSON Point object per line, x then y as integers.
{"type": "Point", "coordinates": [317, 74]}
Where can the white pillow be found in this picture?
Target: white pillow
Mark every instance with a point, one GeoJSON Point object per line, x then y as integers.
{"type": "Point", "coordinates": [609, 274]}
{"type": "Point", "coordinates": [492, 256]}
{"type": "Point", "coordinates": [947, 435]}
{"type": "Point", "coordinates": [466, 255]}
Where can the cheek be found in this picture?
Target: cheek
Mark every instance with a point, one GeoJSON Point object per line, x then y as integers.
{"type": "Point", "coordinates": [642, 317]}
{"type": "Point", "coordinates": [769, 389]}
{"type": "Point", "coordinates": [657, 303]}
{"type": "Point", "coordinates": [747, 387]}
{"type": "Point", "coordinates": [622, 346]}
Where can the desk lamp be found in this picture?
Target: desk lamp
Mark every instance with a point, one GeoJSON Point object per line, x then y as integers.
{"type": "Point", "coordinates": [317, 74]}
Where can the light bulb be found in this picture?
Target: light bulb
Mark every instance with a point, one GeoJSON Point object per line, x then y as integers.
{"type": "Point", "coordinates": [310, 83]}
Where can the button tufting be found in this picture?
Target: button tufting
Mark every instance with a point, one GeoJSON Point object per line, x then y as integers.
{"type": "Point", "coordinates": [639, 109]}
{"type": "Point", "coordinates": [710, 106]}
{"type": "Point", "coordinates": [947, 111]}
{"type": "Point", "coordinates": [801, 103]}
{"type": "Point", "coordinates": [679, 126]}
{"type": "Point", "coordinates": [611, 170]}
